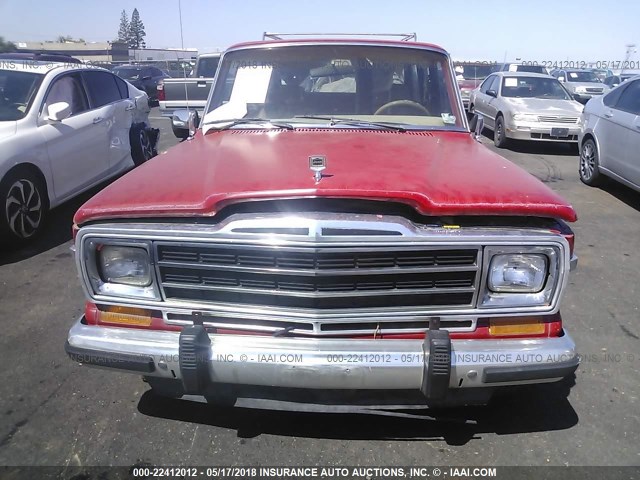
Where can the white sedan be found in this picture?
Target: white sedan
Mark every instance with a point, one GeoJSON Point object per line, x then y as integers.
{"type": "Point", "coordinates": [64, 128]}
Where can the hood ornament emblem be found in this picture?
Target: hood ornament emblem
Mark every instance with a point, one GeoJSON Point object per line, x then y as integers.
{"type": "Point", "coordinates": [317, 163]}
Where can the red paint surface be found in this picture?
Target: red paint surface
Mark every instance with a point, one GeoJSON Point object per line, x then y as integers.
{"type": "Point", "coordinates": [446, 173]}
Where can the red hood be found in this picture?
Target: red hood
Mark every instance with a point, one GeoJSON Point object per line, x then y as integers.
{"type": "Point", "coordinates": [440, 173]}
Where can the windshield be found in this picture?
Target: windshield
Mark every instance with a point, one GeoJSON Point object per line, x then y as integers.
{"type": "Point", "coordinates": [17, 90]}
{"type": "Point", "coordinates": [582, 77]}
{"type": "Point", "coordinates": [407, 86]}
{"type": "Point", "coordinates": [128, 73]}
{"type": "Point", "coordinates": [477, 72]}
{"type": "Point", "coordinates": [533, 87]}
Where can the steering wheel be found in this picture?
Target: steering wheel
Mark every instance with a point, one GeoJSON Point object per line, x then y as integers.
{"type": "Point", "coordinates": [402, 103]}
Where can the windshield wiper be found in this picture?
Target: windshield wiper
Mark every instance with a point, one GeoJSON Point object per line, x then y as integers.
{"type": "Point", "coordinates": [354, 122]}
{"type": "Point", "coordinates": [232, 122]}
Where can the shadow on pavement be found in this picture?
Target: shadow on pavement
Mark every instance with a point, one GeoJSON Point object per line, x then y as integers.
{"type": "Point", "coordinates": [525, 409]}
{"type": "Point", "coordinates": [622, 193]}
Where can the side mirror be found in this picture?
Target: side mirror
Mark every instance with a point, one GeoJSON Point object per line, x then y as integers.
{"type": "Point", "coordinates": [492, 93]}
{"type": "Point", "coordinates": [479, 127]}
{"type": "Point", "coordinates": [58, 111]}
{"type": "Point", "coordinates": [194, 122]}
{"type": "Point", "coordinates": [185, 123]}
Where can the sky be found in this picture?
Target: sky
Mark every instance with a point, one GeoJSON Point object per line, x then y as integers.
{"type": "Point", "coordinates": [530, 30]}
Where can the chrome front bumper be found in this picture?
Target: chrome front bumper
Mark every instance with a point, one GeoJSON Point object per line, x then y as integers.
{"type": "Point", "coordinates": [325, 363]}
{"type": "Point", "coordinates": [525, 131]}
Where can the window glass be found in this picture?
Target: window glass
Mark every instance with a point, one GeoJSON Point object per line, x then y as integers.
{"type": "Point", "coordinates": [17, 90]}
{"type": "Point", "coordinates": [207, 66]}
{"type": "Point", "coordinates": [494, 84]}
{"type": "Point", "coordinates": [485, 85]}
{"type": "Point", "coordinates": [68, 88]}
{"type": "Point", "coordinates": [122, 87]}
{"type": "Point", "coordinates": [582, 77]}
{"type": "Point", "coordinates": [629, 100]}
{"type": "Point", "coordinates": [533, 87]}
{"type": "Point", "coordinates": [611, 98]}
{"type": "Point", "coordinates": [102, 88]}
{"type": "Point", "coordinates": [402, 85]}
{"type": "Point", "coordinates": [531, 69]}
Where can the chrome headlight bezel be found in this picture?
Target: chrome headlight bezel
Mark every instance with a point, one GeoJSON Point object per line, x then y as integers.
{"type": "Point", "coordinates": [546, 297]}
{"type": "Point", "coordinates": [94, 281]}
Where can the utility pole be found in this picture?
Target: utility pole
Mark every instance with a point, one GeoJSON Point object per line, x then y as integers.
{"type": "Point", "coordinates": [631, 49]}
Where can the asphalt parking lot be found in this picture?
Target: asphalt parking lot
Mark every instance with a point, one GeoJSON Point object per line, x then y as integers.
{"type": "Point", "coordinates": [54, 412]}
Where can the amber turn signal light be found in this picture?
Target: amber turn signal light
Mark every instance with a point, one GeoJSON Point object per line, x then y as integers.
{"type": "Point", "coordinates": [515, 326]}
{"type": "Point", "coordinates": [125, 316]}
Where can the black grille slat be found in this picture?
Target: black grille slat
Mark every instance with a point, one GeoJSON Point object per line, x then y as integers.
{"type": "Point", "coordinates": [275, 281]}
{"type": "Point", "coordinates": [310, 260]}
{"type": "Point", "coordinates": [321, 303]}
{"type": "Point", "coordinates": [319, 277]}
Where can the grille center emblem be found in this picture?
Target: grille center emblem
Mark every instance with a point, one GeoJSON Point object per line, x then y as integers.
{"type": "Point", "coordinates": [317, 163]}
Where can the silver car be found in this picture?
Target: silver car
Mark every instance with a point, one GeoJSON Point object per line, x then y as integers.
{"type": "Point", "coordinates": [582, 84]}
{"type": "Point", "coordinates": [526, 106]}
{"type": "Point", "coordinates": [610, 136]}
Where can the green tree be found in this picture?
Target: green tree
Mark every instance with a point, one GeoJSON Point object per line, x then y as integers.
{"type": "Point", "coordinates": [123, 31]}
{"type": "Point", "coordinates": [7, 46]}
{"type": "Point", "coordinates": [136, 31]}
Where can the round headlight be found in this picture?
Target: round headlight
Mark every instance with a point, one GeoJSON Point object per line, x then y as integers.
{"type": "Point", "coordinates": [125, 265]}
{"type": "Point", "coordinates": [517, 273]}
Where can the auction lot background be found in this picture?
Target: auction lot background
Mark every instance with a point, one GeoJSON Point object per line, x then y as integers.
{"type": "Point", "coordinates": [53, 412]}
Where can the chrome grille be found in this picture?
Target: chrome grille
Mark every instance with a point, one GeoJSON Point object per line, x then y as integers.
{"type": "Point", "coordinates": [557, 119]}
{"type": "Point", "coordinates": [319, 278]}
{"type": "Point", "coordinates": [594, 90]}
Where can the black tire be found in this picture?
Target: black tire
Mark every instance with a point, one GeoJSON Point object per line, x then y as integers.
{"type": "Point", "coordinates": [23, 206]}
{"type": "Point", "coordinates": [142, 144]}
{"type": "Point", "coordinates": [500, 139]}
{"type": "Point", "coordinates": [589, 168]}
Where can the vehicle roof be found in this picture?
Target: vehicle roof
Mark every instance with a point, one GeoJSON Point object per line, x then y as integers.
{"type": "Point", "coordinates": [585, 70]}
{"type": "Point", "coordinates": [523, 74]}
{"type": "Point", "coordinates": [214, 54]}
{"type": "Point", "coordinates": [129, 65]}
{"type": "Point", "coordinates": [43, 67]}
{"type": "Point", "coordinates": [333, 41]}
{"type": "Point", "coordinates": [39, 56]}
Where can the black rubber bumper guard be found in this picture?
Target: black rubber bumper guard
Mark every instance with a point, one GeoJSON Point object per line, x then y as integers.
{"type": "Point", "coordinates": [437, 371]}
{"type": "Point", "coordinates": [195, 348]}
